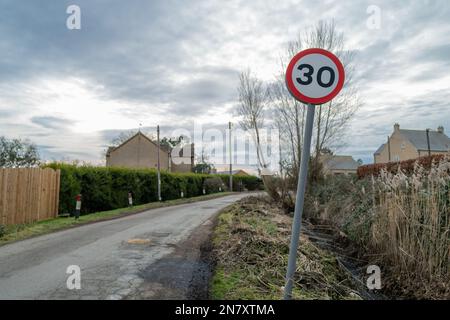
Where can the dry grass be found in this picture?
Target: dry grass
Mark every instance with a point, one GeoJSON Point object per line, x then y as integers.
{"type": "Point", "coordinates": [251, 245]}
{"type": "Point", "coordinates": [398, 220]}
{"type": "Point", "coordinates": [411, 228]}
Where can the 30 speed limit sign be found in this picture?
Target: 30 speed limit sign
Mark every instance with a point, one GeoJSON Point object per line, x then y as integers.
{"type": "Point", "coordinates": [315, 76]}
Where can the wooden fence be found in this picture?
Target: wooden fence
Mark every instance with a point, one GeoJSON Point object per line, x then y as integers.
{"type": "Point", "coordinates": [28, 194]}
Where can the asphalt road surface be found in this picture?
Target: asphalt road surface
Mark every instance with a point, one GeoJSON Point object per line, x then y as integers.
{"type": "Point", "coordinates": [151, 255]}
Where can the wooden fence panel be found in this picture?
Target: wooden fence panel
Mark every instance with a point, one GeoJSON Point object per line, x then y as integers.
{"type": "Point", "coordinates": [2, 196]}
{"type": "Point", "coordinates": [28, 194]}
{"type": "Point", "coordinates": [11, 196]}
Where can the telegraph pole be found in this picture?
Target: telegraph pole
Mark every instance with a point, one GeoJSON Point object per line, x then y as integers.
{"type": "Point", "coordinates": [428, 142]}
{"type": "Point", "coordinates": [389, 149]}
{"type": "Point", "coordinates": [159, 165]}
{"type": "Point", "coordinates": [139, 147]}
{"type": "Point", "coordinates": [231, 159]}
{"type": "Point", "coordinates": [279, 154]}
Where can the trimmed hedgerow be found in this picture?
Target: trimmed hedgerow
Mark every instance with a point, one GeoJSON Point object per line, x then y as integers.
{"type": "Point", "coordinates": [242, 183]}
{"type": "Point", "coordinates": [406, 166]}
{"type": "Point", "coordinates": [106, 188]}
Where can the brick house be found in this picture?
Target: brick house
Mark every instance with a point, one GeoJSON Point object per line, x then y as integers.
{"type": "Point", "coordinates": [406, 144]}
{"type": "Point", "coordinates": [139, 151]}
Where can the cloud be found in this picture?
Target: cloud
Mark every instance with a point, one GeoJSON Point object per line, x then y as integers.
{"type": "Point", "coordinates": [159, 62]}
{"type": "Point", "coordinates": [439, 53]}
{"type": "Point", "coordinates": [51, 122]}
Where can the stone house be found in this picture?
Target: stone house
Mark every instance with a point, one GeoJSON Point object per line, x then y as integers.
{"type": "Point", "coordinates": [405, 144]}
{"type": "Point", "coordinates": [335, 164]}
{"type": "Point", "coordinates": [139, 151]}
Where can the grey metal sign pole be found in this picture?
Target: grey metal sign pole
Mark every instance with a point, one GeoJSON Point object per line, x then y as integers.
{"type": "Point", "coordinates": [301, 187]}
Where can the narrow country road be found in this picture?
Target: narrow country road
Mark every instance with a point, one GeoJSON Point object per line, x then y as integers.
{"type": "Point", "coordinates": [151, 255]}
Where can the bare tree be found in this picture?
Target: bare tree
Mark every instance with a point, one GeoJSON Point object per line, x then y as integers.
{"type": "Point", "coordinates": [253, 98]}
{"type": "Point", "coordinates": [252, 104]}
{"type": "Point", "coordinates": [289, 117]}
{"type": "Point", "coordinates": [332, 118]}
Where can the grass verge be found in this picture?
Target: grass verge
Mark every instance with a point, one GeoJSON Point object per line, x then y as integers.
{"type": "Point", "coordinates": [251, 247]}
{"type": "Point", "coordinates": [23, 231]}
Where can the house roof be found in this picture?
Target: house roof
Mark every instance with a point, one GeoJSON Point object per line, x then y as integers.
{"type": "Point", "coordinates": [340, 163]}
{"type": "Point", "coordinates": [438, 141]}
{"type": "Point", "coordinates": [380, 148]}
{"type": "Point", "coordinates": [418, 138]}
{"type": "Point", "coordinates": [110, 149]}
{"type": "Point", "coordinates": [233, 172]}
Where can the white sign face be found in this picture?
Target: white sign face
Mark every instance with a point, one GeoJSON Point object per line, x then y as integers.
{"type": "Point", "coordinates": [315, 76]}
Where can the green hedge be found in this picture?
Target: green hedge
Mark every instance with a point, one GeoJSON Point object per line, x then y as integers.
{"type": "Point", "coordinates": [106, 188]}
{"type": "Point", "coordinates": [240, 183]}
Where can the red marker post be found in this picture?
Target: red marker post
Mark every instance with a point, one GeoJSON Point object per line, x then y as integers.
{"type": "Point", "coordinates": [313, 76]}
{"type": "Point", "coordinates": [77, 206]}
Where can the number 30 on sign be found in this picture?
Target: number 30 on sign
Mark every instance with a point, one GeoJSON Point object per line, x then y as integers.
{"type": "Point", "coordinates": [315, 76]}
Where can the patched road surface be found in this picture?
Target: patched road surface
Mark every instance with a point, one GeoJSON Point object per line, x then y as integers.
{"type": "Point", "coordinates": [152, 255]}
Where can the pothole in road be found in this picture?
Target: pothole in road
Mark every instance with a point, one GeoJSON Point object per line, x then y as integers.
{"type": "Point", "coordinates": [149, 239]}
{"type": "Point", "coordinates": [139, 241]}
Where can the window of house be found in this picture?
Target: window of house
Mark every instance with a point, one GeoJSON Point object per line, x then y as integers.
{"type": "Point", "coordinates": [403, 146]}
{"type": "Point", "coordinates": [396, 157]}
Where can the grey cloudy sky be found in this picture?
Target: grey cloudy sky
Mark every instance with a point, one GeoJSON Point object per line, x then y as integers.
{"type": "Point", "coordinates": [173, 62]}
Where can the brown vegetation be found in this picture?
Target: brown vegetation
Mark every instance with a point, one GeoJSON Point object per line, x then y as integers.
{"type": "Point", "coordinates": [412, 227]}
{"type": "Point", "coordinates": [399, 221]}
{"type": "Point", "coordinates": [251, 245]}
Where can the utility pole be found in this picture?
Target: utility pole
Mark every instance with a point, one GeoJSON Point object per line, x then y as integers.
{"type": "Point", "coordinates": [279, 154]}
{"type": "Point", "coordinates": [389, 149]}
{"type": "Point", "coordinates": [231, 159]}
{"type": "Point", "coordinates": [139, 147]}
{"type": "Point", "coordinates": [159, 165]}
{"type": "Point", "coordinates": [428, 142]}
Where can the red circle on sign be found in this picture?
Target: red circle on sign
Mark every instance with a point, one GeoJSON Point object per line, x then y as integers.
{"type": "Point", "coordinates": [303, 98]}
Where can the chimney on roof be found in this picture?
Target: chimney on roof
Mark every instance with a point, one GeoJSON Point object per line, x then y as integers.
{"type": "Point", "coordinates": [440, 129]}
{"type": "Point", "coordinates": [396, 127]}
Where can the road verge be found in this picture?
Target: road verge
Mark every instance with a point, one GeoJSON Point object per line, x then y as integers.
{"type": "Point", "coordinates": [251, 247]}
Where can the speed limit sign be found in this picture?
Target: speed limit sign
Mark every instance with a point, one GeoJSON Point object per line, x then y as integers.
{"type": "Point", "coordinates": [315, 76]}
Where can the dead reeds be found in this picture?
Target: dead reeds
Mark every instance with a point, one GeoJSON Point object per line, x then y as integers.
{"type": "Point", "coordinates": [411, 226]}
